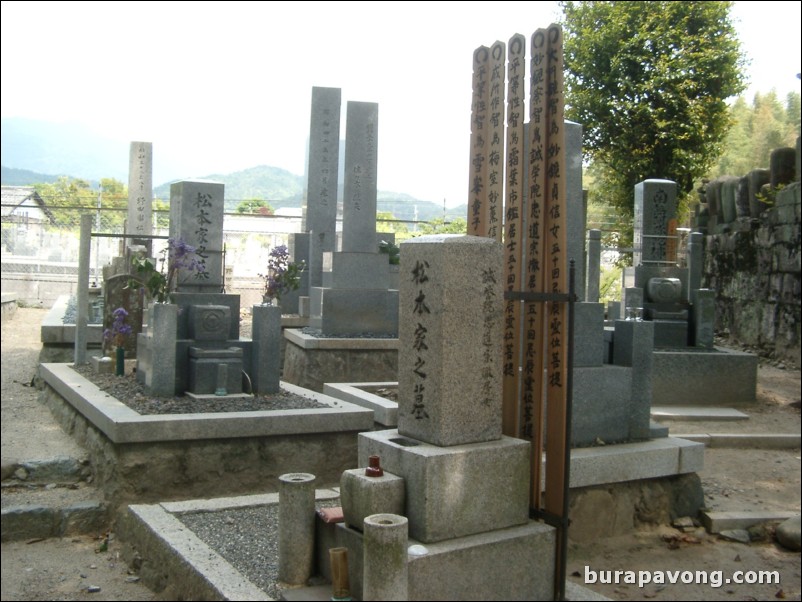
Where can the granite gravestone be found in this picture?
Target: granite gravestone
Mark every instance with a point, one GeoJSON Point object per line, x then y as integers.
{"type": "Point", "coordinates": [355, 296]}
{"type": "Point", "coordinates": [655, 207]}
{"type": "Point", "coordinates": [140, 192]}
{"type": "Point", "coordinates": [196, 217]}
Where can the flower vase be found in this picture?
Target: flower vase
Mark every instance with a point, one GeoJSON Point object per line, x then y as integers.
{"type": "Point", "coordinates": [120, 365]}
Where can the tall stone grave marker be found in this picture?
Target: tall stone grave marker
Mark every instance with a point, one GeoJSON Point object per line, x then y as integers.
{"type": "Point", "coordinates": [196, 217]}
{"type": "Point", "coordinates": [655, 206]}
{"type": "Point", "coordinates": [140, 190]}
{"type": "Point", "coordinates": [355, 296]}
{"type": "Point", "coordinates": [360, 186]}
{"type": "Point", "coordinates": [322, 175]}
{"type": "Point", "coordinates": [450, 365]}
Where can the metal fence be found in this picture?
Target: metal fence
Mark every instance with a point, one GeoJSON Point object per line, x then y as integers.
{"type": "Point", "coordinates": [40, 256]}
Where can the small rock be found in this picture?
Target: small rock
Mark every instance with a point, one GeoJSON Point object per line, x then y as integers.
{"type": "Point", "coordinates": [93, 589]}
{"type": "Point", "coordinates": [132, 579]}
{"type": "Point", "coordinates": [739, 535]}
{"type": "Point", "coordinates": [7, 469]}
{"type": "Point", "coordinates": [760, 532]}
{"type": "Point", "coordinates": [684, 523]}
{"type": "Point", "coordinates": [21, 474]}
{"type": "Point", "coordinates": [789, 533]}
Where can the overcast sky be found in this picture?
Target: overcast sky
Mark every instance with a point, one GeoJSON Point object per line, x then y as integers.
{"type": "Point", "coordinates": [227, 85]}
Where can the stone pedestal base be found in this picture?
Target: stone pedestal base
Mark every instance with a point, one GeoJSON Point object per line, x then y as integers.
{"type": "Point", "coordinates": [310, 362]}
{"type": "Point", "coordinates": [352, 312]}
{"type": "Point", "coordinates": [508, 564]}
{"type": "Point", "coordinates": [704, 377]}
{"type": "Point", "coordinates": [455, 491]}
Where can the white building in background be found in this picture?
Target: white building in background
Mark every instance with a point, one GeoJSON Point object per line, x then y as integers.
{"type": "Point", "coordinates": [24, 217]}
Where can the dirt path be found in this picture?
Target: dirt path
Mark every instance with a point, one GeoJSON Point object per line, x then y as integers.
{"type": "Point", "coordinates": [71, 568]}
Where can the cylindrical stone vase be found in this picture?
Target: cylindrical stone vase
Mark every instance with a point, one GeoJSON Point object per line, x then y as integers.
{"type": "Point", "coordinates": [119, 366]}
{"type": "Point", "coordinates": [296, 527]}
{"type": "Point", "coordinates": [384, 561]}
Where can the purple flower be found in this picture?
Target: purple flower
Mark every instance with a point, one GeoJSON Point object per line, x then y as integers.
{"type": "Point", "coordinates": [119, 329]}
{"type": "Point", "coordinates": [282, 275]}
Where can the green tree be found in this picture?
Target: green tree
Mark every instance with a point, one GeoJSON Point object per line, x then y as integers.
{"type": "Point", "coordinates": [66, 197]}
{"type": "Point", "coordinates": [756, 131]}
{"type": "Point", "coordinates": [255, 206]}
{"type": "Point", "coordinates": [458, 225]}
{"type": "Point", "coordinates": [648, 82]}
{"type": "Point", "coordinates": [387, 222]}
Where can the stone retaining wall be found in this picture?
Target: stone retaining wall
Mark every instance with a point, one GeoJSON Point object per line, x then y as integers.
{"type": "Point", "coordinates": [753, 264]}
{"type": "Point", "coordinates": [178, 470]}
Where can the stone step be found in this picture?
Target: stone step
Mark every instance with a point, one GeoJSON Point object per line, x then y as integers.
{"type": "Point", "coordinates": [715, 522]}
{"type": "Point", "coordinates": [33, 512]}
{"type": "Point", "coordinates": [50, 497]}
{"type": "Point", "coordinates": [745, 440]}
{"type": "Point", "coordinates": [56, 469]}
{"type": "Point", "coordinates": [696, 413]}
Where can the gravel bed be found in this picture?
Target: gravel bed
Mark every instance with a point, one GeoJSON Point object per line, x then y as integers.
{"type": "Point", "coordinates": [247, 538]}
{"type": "Point", "coordinates": [133, 394]}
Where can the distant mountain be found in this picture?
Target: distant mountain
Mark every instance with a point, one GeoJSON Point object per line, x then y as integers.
{"type": "Point", "coordinates": [23, 177]}
{"type": "Point", "coordinates": [284, 189]}
{"type": "Point", "coordinates": [32, 149]}
{"type": "Point", "coordinates": [278, 186]}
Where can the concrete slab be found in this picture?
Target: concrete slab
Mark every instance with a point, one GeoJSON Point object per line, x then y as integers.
{"type": "Point", "coordinates": [576, 592]}
{"type": "Point", "coordinates": [385, 411]}
{"type": "Point", "coordinates": [323, 593]}
{"type": "Point", "coordinates": [121, 424]}
{"type": "Point", "coordinates": [705, 377]}
{"type": "Point", "coordinates": [753, 440]}
{"type": "Point", "coordinates": [697, 413]}
{"type": "Point", "coordinates": [240, 501]}
{"type": "Point", "coordinates": [307, 341]}
{"type": "Point", "coordinates": [633, 461]}
{"type": "Point", "coordinates": [715, 522]}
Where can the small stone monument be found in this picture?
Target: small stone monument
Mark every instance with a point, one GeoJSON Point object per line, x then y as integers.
{"type": "Point", "coordinates": [686, 367]}
{"type": "Point", "coordinates": [193, 345]}
{"type": "Point", "coordinates": [448, 447]}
